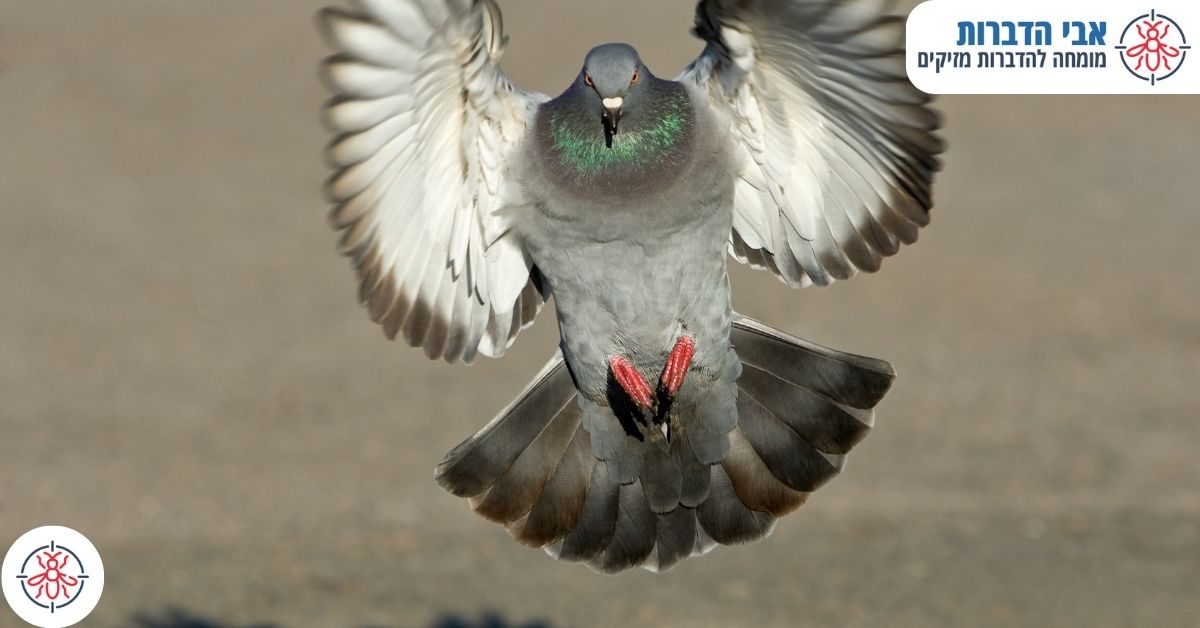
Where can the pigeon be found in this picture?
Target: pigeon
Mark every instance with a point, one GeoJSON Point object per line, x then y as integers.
{"type": "Point", "coordinates": [666, 423]}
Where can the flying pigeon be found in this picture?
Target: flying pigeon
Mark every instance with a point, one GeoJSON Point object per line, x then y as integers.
{"type": "Point", "coordinates": [666, 423]}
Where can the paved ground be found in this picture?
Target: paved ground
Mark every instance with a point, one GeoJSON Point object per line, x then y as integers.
{"type": "Point", "coordinates": [185, 376]}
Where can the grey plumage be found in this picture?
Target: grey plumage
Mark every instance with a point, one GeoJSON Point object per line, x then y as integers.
{"type": "Point", "coordinates": [515, 493]}
{"type": "Point", "coordinates": [662, 478]}
{"type": "Point", "coordinates": [597, 522]}
{"type": "Point", "coordinates": [562, 499]}
{"type": "Point", "coordinates": [855, 381]}
{"type": "Point", "coordinates": [666, 423]}
{"type": "Point", "coordinates": [693, 474]}
{"type": "Point", "coordinates": [827, 426]}
{"type": "Point", "coordinates": [790, 458]}
{"type": "Point", "coordinates": [635, 535]}
{"type": "Point", "coordinates": [725, 518]}
{"type": "Point", "coordinates": [650, 521]}
{"type": "Point", "coordinates": [476, 464]}
{"type": "Point", "coordinates": [755, 484]}
{"type": "Point", "coordinates": [676, 538]}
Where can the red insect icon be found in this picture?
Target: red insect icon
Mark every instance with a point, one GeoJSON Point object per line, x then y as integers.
{"type": "Point", "coordinates": [52, 583]}
{"type": "Point", "coordinates": [1153, 53]}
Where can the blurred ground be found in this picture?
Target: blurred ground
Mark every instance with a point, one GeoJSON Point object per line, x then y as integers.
{"type": "Point", "coordinates": [185, 378]}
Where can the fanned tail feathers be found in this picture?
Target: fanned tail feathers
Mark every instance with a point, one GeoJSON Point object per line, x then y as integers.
{"type": "Point", "coordinates": [799, 409]}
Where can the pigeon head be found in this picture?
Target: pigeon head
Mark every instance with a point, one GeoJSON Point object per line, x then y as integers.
{"type": "Point", "coordinates": [617, 78]}
{"type": "Point", "coordinates": [617, 126]}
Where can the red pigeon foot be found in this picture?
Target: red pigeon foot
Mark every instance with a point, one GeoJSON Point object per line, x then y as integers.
{"type": "Point", "coordinates": [678, 364]}
{"type": "Point", "coordinates": [631, 381]}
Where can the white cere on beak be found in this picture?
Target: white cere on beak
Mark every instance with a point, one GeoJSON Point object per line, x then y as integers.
{"type": "Point", "coordinates": [613, 103]}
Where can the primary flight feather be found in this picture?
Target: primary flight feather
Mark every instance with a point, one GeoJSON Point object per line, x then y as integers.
{"type": "Point", "coordinates": [666, 423]}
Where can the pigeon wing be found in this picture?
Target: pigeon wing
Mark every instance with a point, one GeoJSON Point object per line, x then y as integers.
{"type": "Point", "coordinates": [836, 148]}
{"type": "Point", "coordinates": [426, 124]}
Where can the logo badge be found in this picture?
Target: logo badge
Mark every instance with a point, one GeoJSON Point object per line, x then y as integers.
{"type": "Point", "coordinates": [1153, 47]}
{"type": "Point", "coordinates": [52, 577]}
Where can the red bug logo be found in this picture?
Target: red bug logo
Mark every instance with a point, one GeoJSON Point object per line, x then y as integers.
{"type": "Point", "coordinates": [52, 576]}
{"type": "Point", "coordinates": [1153, 53]}
{"type": "Point", "coordinates": [53, 582]}
{"type": "Point", "coordinates": [1153, 47]}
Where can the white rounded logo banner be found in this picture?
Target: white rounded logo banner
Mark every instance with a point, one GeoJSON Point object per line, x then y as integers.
{"type": "Point", "coordinates": [1066, 47]}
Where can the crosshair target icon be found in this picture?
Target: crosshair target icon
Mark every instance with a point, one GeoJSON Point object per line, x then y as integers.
{"type": "Point", "coordinates": [1153, 47]}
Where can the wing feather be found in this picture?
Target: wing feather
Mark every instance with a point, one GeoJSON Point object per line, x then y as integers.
{"type": "Point", "coordinates": [837, 149]}
{"type": "Point", "coordinates": [426, 125]}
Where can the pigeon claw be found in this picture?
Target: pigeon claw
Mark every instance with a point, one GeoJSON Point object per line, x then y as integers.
{"type": "Point", "coordinates": [631, 381]}
{"type": "Point", "coordinates": [678, 363]}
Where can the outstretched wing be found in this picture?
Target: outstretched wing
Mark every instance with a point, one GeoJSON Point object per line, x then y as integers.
{"type": "Point", "coordinates": [426, 123]}
{"type": "Point", "coordinates": [837, 148]}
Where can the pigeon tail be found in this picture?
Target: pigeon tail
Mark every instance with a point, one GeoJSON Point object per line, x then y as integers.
{"type": "Point", "coordinates": [561, 473]}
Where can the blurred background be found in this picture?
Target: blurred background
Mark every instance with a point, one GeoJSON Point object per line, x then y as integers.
{"type": "Point", "coordinates": [185, 376]}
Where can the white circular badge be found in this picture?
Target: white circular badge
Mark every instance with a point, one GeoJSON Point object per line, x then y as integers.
{"type": "Point", "coordinates": [52, 577]}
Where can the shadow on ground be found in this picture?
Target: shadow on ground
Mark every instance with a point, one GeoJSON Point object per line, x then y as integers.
{"type": "Point", "coordinates": [179, 618]}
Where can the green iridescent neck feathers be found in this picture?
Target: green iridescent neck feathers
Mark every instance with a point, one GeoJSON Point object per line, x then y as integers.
{"type": "Point", "coordinates": [651, 138]}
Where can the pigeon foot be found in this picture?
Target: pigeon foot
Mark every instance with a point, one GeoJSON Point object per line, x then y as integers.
{"type": "Point", "coordinates": [631, 381]}
{"type": "Point", "coordinates": [678, 363]}
{"type": "Point", "coordinates": [657, 403]}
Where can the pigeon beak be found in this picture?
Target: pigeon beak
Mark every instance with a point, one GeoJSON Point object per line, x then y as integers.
{"type": "Point", "coordinates": [612, 116]}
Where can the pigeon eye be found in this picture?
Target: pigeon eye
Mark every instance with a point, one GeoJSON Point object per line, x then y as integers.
{"type": "Point", "coordinates": [587, 79]}
{"type": "Point", "coordinates": [636, 76]}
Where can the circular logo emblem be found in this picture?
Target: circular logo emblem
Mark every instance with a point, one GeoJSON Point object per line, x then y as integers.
{"type": "Point", "coordinates": [1153, 47]}
{"type": "Point", "coordinates": [52, 577]}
